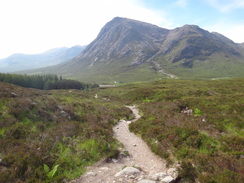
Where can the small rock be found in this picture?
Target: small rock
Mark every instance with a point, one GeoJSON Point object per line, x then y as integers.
{"type": "Point", "coordinates": [158, 176]}
{"type": "Point", "coordinates": [128, 171]}
{"type": "Point", "coordinates": [63, 112]}
{"type": "Point", "coordinates": [161, 174]}
{"type": "Point", "coordinates": [134, 145]}
{"type": "Point", "coordinates": [92, 173]}
{"type": "Point", "coordinates": [167, 179]}
{"type": "Point", "coordinates": [171, 171]}
{"type": "Point", "coordinates": [146, 181]}
{"type": "Point", "coordinates": [153, 177]}
{"type": "Point", "coordinates": [104, 168]}
{"type": "Point", "coordinates": [14, 94]}
{"type": "Point", "coordinates": [115, 160]}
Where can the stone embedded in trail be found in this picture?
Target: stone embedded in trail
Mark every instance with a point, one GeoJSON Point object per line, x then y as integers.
{"type": "Point", "coordinates": [115, 160]}
{"type": "Point", "coordinates": [128, 171]}
{"type": "Point", "coordinates": [146, 181]}
{"type": "Point", "coordinates": [167, 179]}
{"type": "Point", "coordinates": [172, 172]}
{"type": "Point", "coordinates": [92, 173]}
{"type": "Point", "coordinates": [158, 176]}
{"type": "Point", "coordinates": [104, 168]}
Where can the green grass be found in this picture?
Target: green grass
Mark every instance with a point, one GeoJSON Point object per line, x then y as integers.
{"type": "Point", "coordinates": [74, 130]}
{"type": "Point", "coordinates": [208, 143]}
{"type": "Point", "coordinates": [216, 66]}
{"type": "Point", "coordinates": [62, 130]}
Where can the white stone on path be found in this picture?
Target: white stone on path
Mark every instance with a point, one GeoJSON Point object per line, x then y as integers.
{"type": "Point", "coordinates": [172, 172]}
{"type": "Point", "coordinates": [128, 171]}
{"type": "Point", "coordinates": [92, 173]}
{"type": "Point", "coordinates": [167, 179]}
{"type": "Point", "coordinates": [146, 181]}
{"type": "Point", "coordinates": [158, 176]}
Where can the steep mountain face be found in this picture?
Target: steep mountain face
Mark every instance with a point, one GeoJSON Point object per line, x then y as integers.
{"type": "Point", "coordinates": [128, 50]}
{"type": "Point", "coordinates": [189, 41]}
{"type": "Point", "coordinates": [123, 38]}
{"type": "Point", "coordinates": [17, 62]}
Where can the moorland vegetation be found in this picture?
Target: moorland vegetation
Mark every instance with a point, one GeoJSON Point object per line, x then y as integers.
{"type": "Point", "coordinates": [53, 135]}
{"type": "Point", "coordinates": [48, 136]}
{"type": "Point", "coordinates": [198, 124]}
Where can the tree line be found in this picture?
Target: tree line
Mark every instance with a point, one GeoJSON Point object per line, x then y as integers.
{"type": "Point", "coordinates": [44, 82]}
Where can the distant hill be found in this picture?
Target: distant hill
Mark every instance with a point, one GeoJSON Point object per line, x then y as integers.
{"type": "Point", "coordinates": [18, 62]}
{"type": "Point", "coordinates": [128, 51]}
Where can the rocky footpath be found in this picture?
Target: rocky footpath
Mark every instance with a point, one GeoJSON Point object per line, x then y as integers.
{"type": "Point", "coordinates": [135, 163]}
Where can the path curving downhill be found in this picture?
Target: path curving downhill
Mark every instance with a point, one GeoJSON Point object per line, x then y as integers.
{"type": "Point", "coordinates": [140, 154]}
{"type": "Point", "coordinates": [150, 166]}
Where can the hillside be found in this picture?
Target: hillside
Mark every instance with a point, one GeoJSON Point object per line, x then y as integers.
{"type": "Point", "coordinates": [127, 50]}
{"type": "Point", "coordinates": [53, 136]}
{"type": "Point", "coordinates": [41, 130]}
{"type": "Point", "coordinates": [198, 124]}
{"type": "Point", "coordinates": [18, 62]}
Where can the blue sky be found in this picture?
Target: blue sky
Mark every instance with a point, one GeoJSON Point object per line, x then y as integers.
{"type": "Point", "coordinates": [34, 26]}
{"type": "Point", "coordinates": [201, 12]}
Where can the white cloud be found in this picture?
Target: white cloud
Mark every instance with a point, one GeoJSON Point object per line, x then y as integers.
{"type": "Point", "coordinates": [230, 30]}
{"type": "Point", "coordinates": [226, 5]}
{"type": "Point", "coordinates": [236, 33]}
{"type": "Point", "coordinates": [32, 26]}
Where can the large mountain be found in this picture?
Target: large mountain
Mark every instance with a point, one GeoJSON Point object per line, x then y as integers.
{"type": "Point", "coordinates": [128, 50]}
{"type": "Point", "coordinates": [17, 62]}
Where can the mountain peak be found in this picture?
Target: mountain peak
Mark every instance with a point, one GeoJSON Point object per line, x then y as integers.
{"type": "Point", "coordinates": [191, 26]}
{"type": "Point", "coordinates": [123, 37]}
{"type": "Point", "coordinates": [131, 50]}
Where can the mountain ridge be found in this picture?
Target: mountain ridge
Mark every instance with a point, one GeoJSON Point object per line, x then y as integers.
{"type": "Point", "coordinates": [21, 61]}
{"type": "Point", "coordinates": [128, 50]}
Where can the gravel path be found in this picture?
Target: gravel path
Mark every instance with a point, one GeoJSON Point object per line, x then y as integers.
{"type": "Point", "coordinates": [139, 156]}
